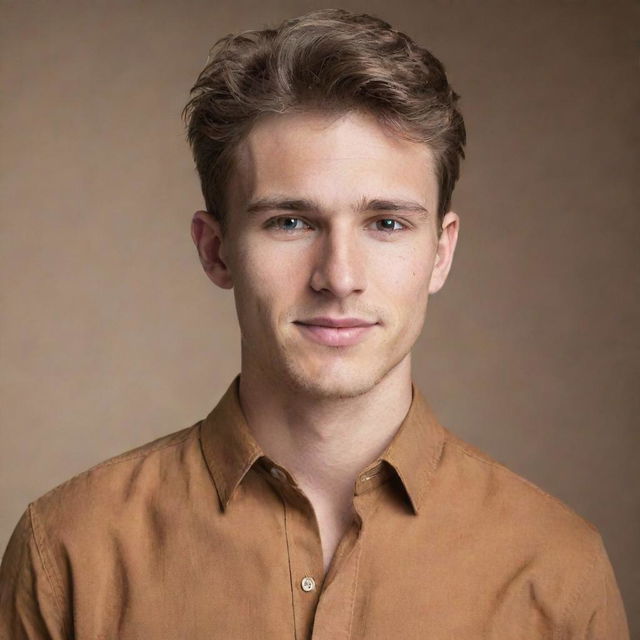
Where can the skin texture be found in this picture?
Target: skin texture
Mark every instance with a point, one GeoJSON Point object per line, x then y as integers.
{"type": "Point", "coordinates": [329, 216]}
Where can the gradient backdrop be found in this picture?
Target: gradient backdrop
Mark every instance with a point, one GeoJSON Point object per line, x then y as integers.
{"type": "Point", "coordinates": [112, 335]}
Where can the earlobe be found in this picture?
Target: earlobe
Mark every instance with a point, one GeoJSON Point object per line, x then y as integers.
{"type": "Point", "coordinates": [208, 238]}
{"type": "Point", "coordinates": [444, 251]}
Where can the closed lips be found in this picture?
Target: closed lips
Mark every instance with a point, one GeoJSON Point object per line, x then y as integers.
{"type": "Point", "coordinates": [337, 323]}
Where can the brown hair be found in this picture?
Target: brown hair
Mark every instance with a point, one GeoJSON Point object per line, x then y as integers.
{"type": "Point", "coordinates": [330, 60]}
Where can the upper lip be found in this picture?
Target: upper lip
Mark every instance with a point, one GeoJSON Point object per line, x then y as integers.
{"type": "Point", "coordinates": [337, 322]}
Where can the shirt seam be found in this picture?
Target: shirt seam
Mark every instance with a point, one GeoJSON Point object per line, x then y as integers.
{"type": "Point", "coordinates": [56, 587]}
{"type": "Point", "coordinates": [124, 457]}
{"type": "Point", "coordinates": [293, 599]}
{"type": "Point", "coordinates": [568, 611]}
{"type": "Point", "coordinates": [531, 485]}
{"type": "Point", "coordinates": [355, 585]}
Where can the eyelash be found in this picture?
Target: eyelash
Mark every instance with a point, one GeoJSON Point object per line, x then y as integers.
{"type": "Point", "coordinates": [273, 223]}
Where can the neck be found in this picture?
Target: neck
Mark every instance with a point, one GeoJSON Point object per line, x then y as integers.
{"type": "Point", "coordinates": [325, 442]}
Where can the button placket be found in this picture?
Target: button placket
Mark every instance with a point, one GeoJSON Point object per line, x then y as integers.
{"type": "Point", "coordinates": [305, 557]}
{"type": "Point", "coordinates": [336, 607]}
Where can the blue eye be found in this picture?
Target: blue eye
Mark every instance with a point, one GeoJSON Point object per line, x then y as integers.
{"type": "Point", "coordinates": [288, 224]}
{"type": "Point", "coordinates": [388, 224]}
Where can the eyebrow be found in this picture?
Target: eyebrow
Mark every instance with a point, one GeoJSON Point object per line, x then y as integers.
{"type": "Point", "coordinates": [282, 204]}
{"type": "Point", "coordinates": [393, 205]}
{"type": "Point", "coordinates": [303, 204]}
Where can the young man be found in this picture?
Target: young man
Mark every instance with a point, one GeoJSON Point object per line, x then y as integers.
{"type": "Point", "coordinates": [320, 498]}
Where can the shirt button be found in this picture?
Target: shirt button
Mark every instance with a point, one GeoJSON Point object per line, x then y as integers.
{"type": "Point", "coordinates": [279, 475]}
{"type": "Point", "coordinates": [308, 583]}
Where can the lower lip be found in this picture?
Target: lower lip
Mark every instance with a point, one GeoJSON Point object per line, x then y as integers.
{"type": "Point", "coordinates": [335, 336]}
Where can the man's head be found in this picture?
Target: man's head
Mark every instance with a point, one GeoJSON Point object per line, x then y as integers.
{"type": "Point", "coordinates": [328, 199]}
{"type": "Point", "coordinates": [332, 61]}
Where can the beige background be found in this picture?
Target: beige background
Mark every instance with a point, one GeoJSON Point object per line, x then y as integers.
{"type": "Point", "coordinates": [111, 334]}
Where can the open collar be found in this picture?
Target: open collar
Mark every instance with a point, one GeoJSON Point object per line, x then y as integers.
{"type": "Point", "coordinates": [230, 449]}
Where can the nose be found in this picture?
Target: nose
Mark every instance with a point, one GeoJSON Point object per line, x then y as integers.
{"type": "Point", "coordinates": [339, 265]}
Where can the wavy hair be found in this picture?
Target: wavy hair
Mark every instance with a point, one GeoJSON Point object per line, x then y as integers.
{"type": "Point", "coordinates": [331, 60]}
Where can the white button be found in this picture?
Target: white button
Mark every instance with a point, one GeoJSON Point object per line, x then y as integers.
{"type": "Point", "coordinates": [276, 473]}
{"type": "Point", "coordinates": [308, 583]}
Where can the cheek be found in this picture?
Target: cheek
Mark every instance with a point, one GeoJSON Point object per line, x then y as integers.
{"type": "Point", "coordinates": [405, 279]}
{"type": "Point", "coordinates": [265, 281]}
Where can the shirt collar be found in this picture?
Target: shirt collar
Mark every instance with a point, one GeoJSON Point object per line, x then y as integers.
{"type": "Point", "coordinates": [230, 449]}
{"type": "Point", "coordinates": [416, 449]}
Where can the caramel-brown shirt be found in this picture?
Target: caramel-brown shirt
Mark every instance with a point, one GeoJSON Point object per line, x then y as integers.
{"type": "Point", "coordinates": [200, 535]}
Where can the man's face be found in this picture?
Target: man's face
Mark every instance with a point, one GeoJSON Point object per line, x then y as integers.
{"type": "Point", "coordinates": [330, 247]}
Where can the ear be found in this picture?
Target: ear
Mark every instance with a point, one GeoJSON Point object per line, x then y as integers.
{"type": "Point", "coordinates": [445, 250]}
{"type": "Point", "coordinates": [208, 237]}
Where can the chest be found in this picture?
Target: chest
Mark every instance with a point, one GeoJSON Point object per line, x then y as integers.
{"type": "Point", "coordinates": [258, 570]}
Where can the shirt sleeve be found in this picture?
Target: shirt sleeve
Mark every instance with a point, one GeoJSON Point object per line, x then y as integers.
{"type": "Point", "coordinates": [598, 612]}
{"type": "Point", "coordinates": [30, 608]}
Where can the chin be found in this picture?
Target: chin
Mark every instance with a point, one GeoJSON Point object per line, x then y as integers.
{"type": "Point", "coordinates": [338, 382]}
{"type": "Point", "coordinates": [332, 390]}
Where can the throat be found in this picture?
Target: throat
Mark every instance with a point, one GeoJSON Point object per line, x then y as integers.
{"type": "Point", "coordinates": [334, 518]}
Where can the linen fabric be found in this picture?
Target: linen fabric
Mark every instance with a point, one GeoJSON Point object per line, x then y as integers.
{"type": "Point", "coordinates": [200, 535]}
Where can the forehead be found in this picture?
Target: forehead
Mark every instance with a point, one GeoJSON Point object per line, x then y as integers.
{"type": "Point", "coordinates": [332, 159]}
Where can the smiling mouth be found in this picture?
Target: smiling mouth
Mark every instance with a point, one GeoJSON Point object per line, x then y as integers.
{"type": "Point", "coordinates": [336, 332]}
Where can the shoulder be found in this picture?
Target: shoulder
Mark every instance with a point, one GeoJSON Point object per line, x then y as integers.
{"type": "Point", "coordinates": [516, 512]}
{"type": "Point", "coordinates": [118, 485]}
{"type": "Point", "coordinates": [73, 528]}
{"type": "Point", "coordinates": [537, 540]}
{"type": "Point", "coordinates": [532, 539]}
